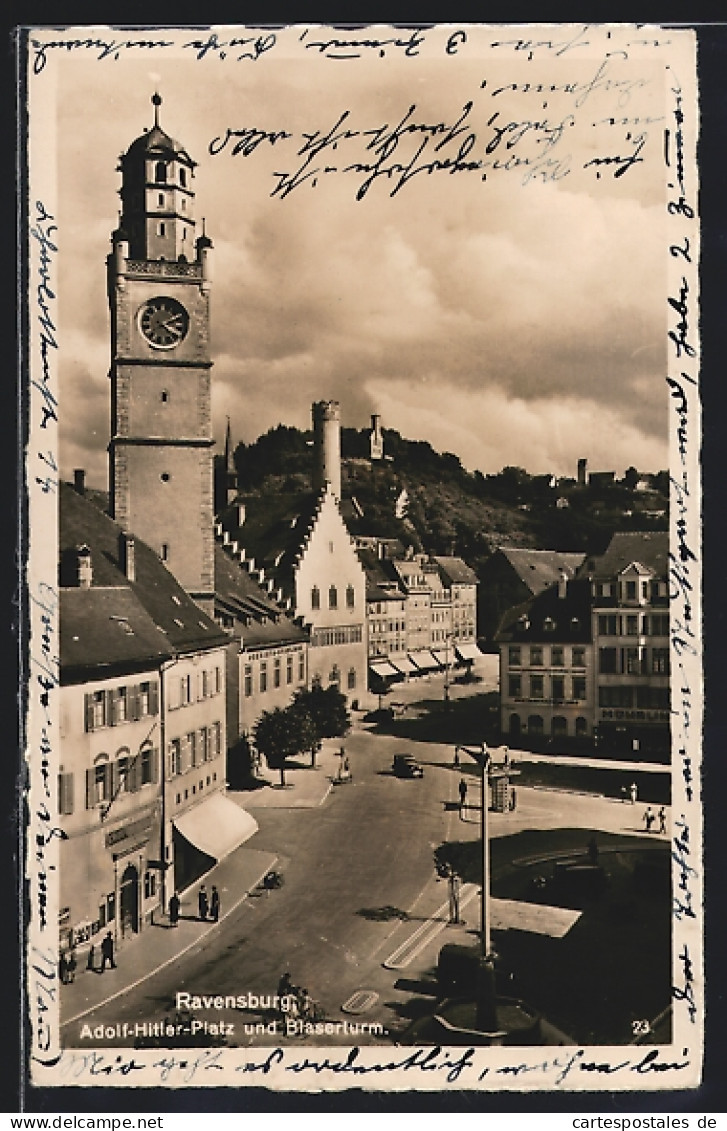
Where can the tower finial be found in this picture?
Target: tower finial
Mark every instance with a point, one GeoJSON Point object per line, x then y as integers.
{"type": "Point", "coordinates": [156, 99]}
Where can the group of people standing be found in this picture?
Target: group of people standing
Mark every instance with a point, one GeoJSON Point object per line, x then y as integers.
{"type": "Point", "coordinates": [208, 906]}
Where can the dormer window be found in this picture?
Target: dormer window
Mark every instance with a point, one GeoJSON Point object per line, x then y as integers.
{"type": "Point", "coordinates": [549, 624]}
{"type": "Point", "coordinates": [575, 624]}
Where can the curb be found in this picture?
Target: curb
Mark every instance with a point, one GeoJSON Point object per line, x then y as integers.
{"type": "Point", "coordinates": [178, 954]}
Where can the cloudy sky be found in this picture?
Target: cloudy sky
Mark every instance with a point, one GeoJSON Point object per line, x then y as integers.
{"type": "Point", "coordinates": [513, 312]}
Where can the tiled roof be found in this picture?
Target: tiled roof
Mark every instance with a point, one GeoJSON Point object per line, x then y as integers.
{"type": "Point", "coordinates": [547, 617]}
{"type": "Point", "coordinates": [157, 604]}
{"type": "Point", "coordinates": [539, 569]}
{"type": "Point", "coordinates": [455, 571]}
{"type": "Point", "coordinates": [257, 619]}
{"type": "Point", "coordinates": [650, 548]}
{"type": "Point", "coordinates": [273, 532]}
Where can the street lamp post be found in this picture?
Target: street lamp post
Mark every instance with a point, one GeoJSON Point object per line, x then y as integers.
{"type": "Point", "coordinates": [486, 1007]}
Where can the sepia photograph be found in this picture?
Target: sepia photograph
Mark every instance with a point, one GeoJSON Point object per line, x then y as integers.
{"type": "Point", "coordinates": [364, 564]}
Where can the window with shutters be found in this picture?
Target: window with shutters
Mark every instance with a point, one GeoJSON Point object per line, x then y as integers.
{"type": "Point", "coordinates": [147, 762]}
{"type": "Point", "coordinates": [65, 794]}
{"type": "Point", "coordinates": [204, 745]}
{"type": "Point", "coordinates": [301, 667]}
{"type": "Point", "coordinates": [248, 680]}
{"type": "Point", "coordinates": [215, 740]}
{"type": "Point", "coordinates": [289, 669]}
{"type": "Point", "coordinates": [95, 710]}
{"type": "Point", "coordinates": [218, 680]}
{"type": "Point", "coordinates": [175, 757]}
{"type": "Point", "coordinates": [98, 782]}
{"type": "Point", "coordinates": [276, 672]}
{"type": "Point", "coordinates": [123, 770]}
{"type": "Point", "coordinates": [120, 705]}
{"type": "Point", "coordinates": [263, 676]}
{"type": "Point", "coordinates": [192, 750]}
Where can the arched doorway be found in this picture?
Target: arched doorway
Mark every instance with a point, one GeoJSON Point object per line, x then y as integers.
{"type": "Point", "coordinates": [515, 727]}
{"type": "Point", "coordinates": [129, 899]}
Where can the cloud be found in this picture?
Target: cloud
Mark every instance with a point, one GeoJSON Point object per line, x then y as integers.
{"type": "Point", "coordinates": [511, 324]}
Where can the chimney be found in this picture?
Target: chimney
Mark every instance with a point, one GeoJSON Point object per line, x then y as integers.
{"type": "Point", "coordinates": [85, 568]}
{"type": "Point", "coordinates": [562, 585]}
{"type": "Point", "coordinates": [79, 481]}
{"type": "Point", "coordinates": [127, 555]}
{"type": "Point", "coordinates": [582, 465]}
{"type": "Point", "coordinates": [327, 446]}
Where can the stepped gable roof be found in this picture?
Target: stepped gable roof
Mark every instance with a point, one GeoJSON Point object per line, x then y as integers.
{"type": "Point", "coordinates": [257, 619]}
{"type": "Point", "coordinates": [455, 571]}
{"type": "Point", "coordinates": [155, 599]}
{"type": "Point", "coordinates": [547, 618]}
{"type": "Point", "coordinates": [539, 569]}
{"type": "Point", "coordinates": [648, 548]}
{"type": "Point", "coordinates": [273, 531]}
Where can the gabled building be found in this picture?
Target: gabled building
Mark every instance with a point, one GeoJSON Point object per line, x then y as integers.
{"type": "Point", "coordinates": [547, 685]}
{"type": "Point", "coordinates": [513, 575]}
{"type": "Point", "coordinates": [143, 737]}
{"type": "Point", "coordinates": [630, 628]}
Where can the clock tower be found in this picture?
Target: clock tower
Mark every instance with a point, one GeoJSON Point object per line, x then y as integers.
{"type": "Point", "coordinates": [160, 453]}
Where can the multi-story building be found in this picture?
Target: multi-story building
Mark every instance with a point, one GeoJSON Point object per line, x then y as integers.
{"type": "Point", "coordinates": [630, 627]}
{"type": "Point", "coordinates": [589, 657]}
{"type": "Point", "coordinates": [142, 671]}
{"type": "Point", "coordinates": [547, 689]}
{"type": "Point", "coordinates": [268, 652]}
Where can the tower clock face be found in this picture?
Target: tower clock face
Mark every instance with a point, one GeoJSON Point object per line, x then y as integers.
{"type": "Point", "coordinates": [164, 322]}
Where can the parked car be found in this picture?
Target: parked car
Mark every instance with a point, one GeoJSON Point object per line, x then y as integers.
{"type": "Point", "coordinates": [406, 766]}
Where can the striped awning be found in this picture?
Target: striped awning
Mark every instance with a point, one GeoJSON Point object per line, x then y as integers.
{"type": "Point", "coordinates": [468, 652]}
{"type": "Point", "coordinates": [404, 664]}
{"type": "Point", "coordinates": [383, 669]}
{"type": "Point", "coordinates": [443, 657]}
{"type": "Point", "coordinates": [424, 660]}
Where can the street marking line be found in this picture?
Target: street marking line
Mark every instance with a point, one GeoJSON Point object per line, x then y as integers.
{"type": "Point", "coordinates": [360, 1001]}
{"type": "Point", "coordinates": [426, 933]}
{"type": "Point", "coordinates": [179, 953]}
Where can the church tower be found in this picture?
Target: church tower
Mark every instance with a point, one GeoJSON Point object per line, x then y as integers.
{"type": "Point", "coordinates": [160, 453]}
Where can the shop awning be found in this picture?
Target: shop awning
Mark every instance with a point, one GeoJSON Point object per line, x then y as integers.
{"type": "Point", "coordinates": [444, 658]}
{"type": "Point", "coordinates": [424, 660]}
{"type": "Point", "coordinates": [216, 826]}
{"type": "Point", "coordinates": [468, 652]}
{"type": "Point", "coordinates": [384, 670]}
{"type": "Point", "coordinates": [404, 664]}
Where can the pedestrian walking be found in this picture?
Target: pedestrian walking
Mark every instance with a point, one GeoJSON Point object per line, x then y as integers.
{"type": "Point", "coordinates": [455, 761]}
{"type": "Point", "coordinates": [462, 793]}
{"type": "Point", "coordinates": [91, 960]}
{"type": "Point", "coordinates": [71, 967]}
{"type": "Point", "coordinates": [348, 776]}
{"type": "Point", "coordinates": [662, 820]}
{"type": "Point", "coordinates": [107, 952]}
{"type": "Point", "coordinates": [649, 818]}
{"type": "Point", "coordinates": [203, 902]}
{"type": "Point", "coordinates": [633, 792]}
{"type": "Point", "coordinates": [453, 883]}
{"type": "Point", "coordinates": [215, 905]}
{"type": "Point", "coordinates": [174, 908]}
